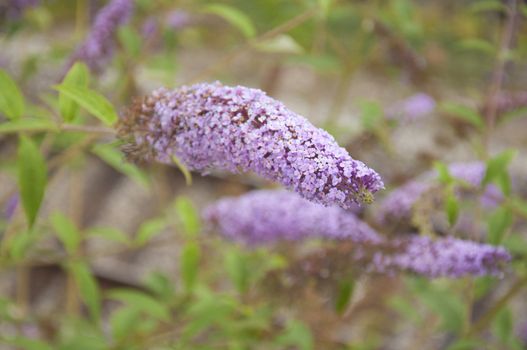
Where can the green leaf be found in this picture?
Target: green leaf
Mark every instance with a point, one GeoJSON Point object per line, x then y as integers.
{"type": "Point", "coordinates": [188, 216]}
{"type": "Point", "coordinates": [234, 16]}
{"type": "Point", "coordinates": [497, 166]}
{"type": "Point", "coordinates": [502, 325]}
{"type": "Point", "coordinates": [344, 295]}
{"type": "Point", "coordinates": [325, 7]}
{"type": "Point", "coordinates": [32, 177]}
{"type": "Point", "coordinates": [20, 244]}
{"type": "Point", "coordinates": [451, 208]}
{"type": "Point", "coordinates": [124, 320]}
{"type": "Point", "coordinates": [464, 113]}
{"type": "Point", "coordinates": [282, 43]}
{"type": "Point", "coordinates": [148, 230]}
{"type": "Point", "coordinates": [78, 75]}
{"type": "Point", "coordinates": [160, 285]}
{"type": "Point", "coordinates": [237, 267]}
{"type": "Point", "coordinates": [498, 223]}
{"type": "Point", "coordinates": [67, 232]}
{"type": "Point", "coordinates": [88, 288]}
{"type": "Point", "coordinates": [443, 173]}
{"type": "Point", "coordinates": [22, 125]}
{"type": "Point", "coordinates": [29, 344]}
{"type": "Point", "coordinates": [95, 103]}
{"type": "Point", "coordinates": [190, 257]}
{"type": "Point", "coordinates": [115, 159]}
{"type": "Point", "coordinates": [109, 233]}
{"type": "Point", "coordinates": [141, 301]}
{"type": "Point", "coordinates": [478, 45]}
{"type": "Point", "coordinates": [130, 39]}
{"type": "Point", "coordinates": [297, 335]}
{"type": "Point", "coordinates": [516, 244]}
{"type": "Point", "coordinates": [488, 5]}
{"type": "Point", "coordinates": [465, 344]}
{"type": "Point", "coordinates": [11, 100]}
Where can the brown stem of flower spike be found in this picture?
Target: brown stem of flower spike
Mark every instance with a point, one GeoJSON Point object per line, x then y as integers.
{"type": "Point", "coordinates": [507, 41]}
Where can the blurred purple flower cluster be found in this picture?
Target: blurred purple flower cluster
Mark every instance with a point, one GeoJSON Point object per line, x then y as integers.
{"type": "Point", "coordinates": [97, 49]}
{"type": "Point", "coordinates": [443, 257]}
{"type": "Point", "coordinates": [413, 108]}
{"type": "Point", "coordinates": [398, 204]}
{"type": "Point", "coordinates": [212, 126]}
{"type": "Point", "coordinates": [13, 9]}
{"type": "Point", "coordinates": [268, 216]}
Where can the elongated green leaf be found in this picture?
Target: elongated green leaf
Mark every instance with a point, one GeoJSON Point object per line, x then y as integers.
{"type": "Point", "coordinates": [11, 100]}
{"type": "Point", "coordinates": [238, 270]}
{"type": "Point", "coordinates": [443, 174]}
{"type": "Point", "coordinates": [116, 160]}
{"type": "Point", "coordinates": [141, 301]}
{"type": "Point", "coordinates": [149, 229]}
{"type": "Point", "coordinates": [78, 75]}
{"type": "Point", "coordinates": [298, 335]}
{"type": "Point", "coordinates": [478, 45]}
{"type": "Point", "coordinates": [22, 125]}
{"type": "Point", "coordinates": [88, 288]}
{"type": "Point", "coordinates": [498, 223]}
{"type": "Point", "coordinates": [502, 325]}
{"type": "Point", "coordinates": [344, 295]}
{"type": "Point", "coordinates": [234, 16]}
{"type": "Point", "coordinates": [124, 321]}
{"type": "Point", "coordinates": [451, 208]}
{"type": "Point", "coordinates": [130, 40]}
{"type": "Point", "coordinates": [280, 44]}
{"type": "Point", "coordinates": [464, 113]}
{"type": "Point", "coordinates": [488, 5]}
{"type": "Point", "coordinates": [66, 231]}
{"type": "Point", "coordinates": [190, 256]}
{"type": "Point", "coordinates": [497, 166]}
{"type": "Point", "coordinates": [32, 177]}
{"type": "Point", "coordinates": [188, 216]}
{"type": "Point", "coordinates": [29, 344]}
{"type": "Point", "coordinates": [95, 103]}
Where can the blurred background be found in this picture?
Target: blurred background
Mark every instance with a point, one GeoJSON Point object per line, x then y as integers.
{"type": "Point", "coordinates": [119, 257]}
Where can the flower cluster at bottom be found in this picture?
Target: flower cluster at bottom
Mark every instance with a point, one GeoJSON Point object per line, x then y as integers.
{"type": "Point", "coordinates": [268, 216]}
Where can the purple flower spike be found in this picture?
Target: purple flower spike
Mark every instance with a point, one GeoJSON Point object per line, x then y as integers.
{"type": "Point", "coordinates": [267, 216]}
{"type": "Point", "coordinates": [98, 47]}
{"type": "Point", "coordinates": [399, 203]}
{"type": "Point", "coordinates": [413, 108]}
{"type": "Point", "coordinates": [13, 9]}
{"type": "Point", "coordinates": [238, 129]}
{"type": "Point", "coordinates": [448, 257]}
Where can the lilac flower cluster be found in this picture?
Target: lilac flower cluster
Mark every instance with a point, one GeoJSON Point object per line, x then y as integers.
{"type": "Point", "coordinates": [445, 257]}
{"type": "Point", "coordinates": [399, 203]}
{"type": "Point", "coordinates": [98, 47]}
{"type": "Point", "coordinates": [13, 9]}
{"type": "Point", "coordinates": [413, 108]}
{"type": "Point", "coordinates": [212, 126]}
{"type": "Point", "coordinates": [267, 216]}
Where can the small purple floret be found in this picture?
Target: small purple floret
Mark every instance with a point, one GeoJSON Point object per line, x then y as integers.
{"type": "Point", "coordinates": [238, 129]}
